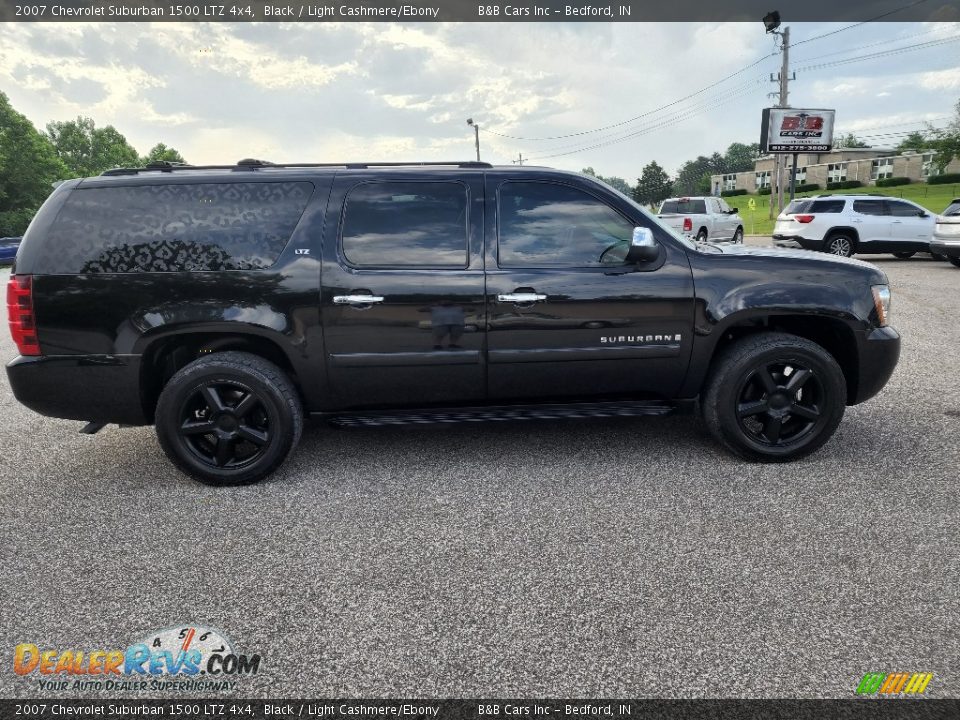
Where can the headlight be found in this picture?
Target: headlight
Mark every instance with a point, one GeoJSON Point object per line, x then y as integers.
{"type": "Point", "coordinates": [881, 301]}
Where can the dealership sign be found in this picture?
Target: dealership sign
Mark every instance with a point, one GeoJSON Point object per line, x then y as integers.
{"type": "Point", "coordinates": [790, 130]}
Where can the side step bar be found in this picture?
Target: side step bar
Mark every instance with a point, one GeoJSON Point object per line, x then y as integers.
{"type": "Point", "coordinates": [503, 413]}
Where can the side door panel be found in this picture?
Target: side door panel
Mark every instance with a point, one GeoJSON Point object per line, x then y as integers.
{"type": "Point", "coordinates": [420, 339]}
{"type": "Point", "coordinates": [593, 331]}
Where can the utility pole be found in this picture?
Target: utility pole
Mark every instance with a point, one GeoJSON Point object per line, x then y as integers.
{"type": "Point", "coordinates": [772, 21]}
{"type": "Point", "coordinates": [476, 135]}
{"type": "Point", "coordinates": [519, 160]}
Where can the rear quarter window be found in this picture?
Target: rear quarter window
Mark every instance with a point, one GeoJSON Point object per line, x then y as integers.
{"type": "Point", "coordinates": [174, 227]}
{"type": "Point", "coordinates": [827, 206]}
{"type": "Point", "coordinates": [952, 209]}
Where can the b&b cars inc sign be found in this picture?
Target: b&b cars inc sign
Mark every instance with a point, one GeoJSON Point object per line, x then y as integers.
{"type": "Point", "coordinates": [790, 130]}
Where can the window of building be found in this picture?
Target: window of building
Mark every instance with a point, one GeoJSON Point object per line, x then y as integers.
{"type": "Point", "coordinates": [547, 224]}
{"type": "Point", "coordinates": [730, 182]}
{"type": "Point", "coordinates": [881, 168]}
{"type": "Point", "coordinates": [762, 179]}
{"type": "Point", "coordinates": [927, 168]}
{"type": "Point", "coordinates": [837, 172]}
{"type": "Point", "coordinates": [406, 224]}
{"type": "Point", "coordinates": [801, 174]}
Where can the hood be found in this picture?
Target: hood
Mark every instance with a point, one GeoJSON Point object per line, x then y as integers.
{"type": "Point", "coordinates": [771, 252]}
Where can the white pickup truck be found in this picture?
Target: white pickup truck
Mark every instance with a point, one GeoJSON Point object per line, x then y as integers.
{"type": "Point", "coordinates": [708, 219]}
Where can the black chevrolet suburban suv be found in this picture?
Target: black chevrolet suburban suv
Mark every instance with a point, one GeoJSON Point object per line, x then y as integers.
{"type": "Point", "coordinates": [224, 303]}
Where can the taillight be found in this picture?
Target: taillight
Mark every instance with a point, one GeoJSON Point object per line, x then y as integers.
{"type": "Point", "coordinates": [687, 224]}
{"type": "Point", "coordinates": [804, 218]}
{"type": "Point", "coordinates": [23, 327]}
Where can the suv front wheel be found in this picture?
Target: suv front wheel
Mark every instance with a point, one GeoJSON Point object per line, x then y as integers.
{"type": "Point", "coordinates": [230, 418]}
{"type": "Point", "coordinates": [773, 397]}
{"type": "Point", "coordinates": [839, 244]}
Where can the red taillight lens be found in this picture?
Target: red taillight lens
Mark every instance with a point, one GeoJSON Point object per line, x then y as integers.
{"type": "Point", "coordinates": [803, 218]}
{"type": "Point", "coordinates": [687, 224]}
{"type": "Point", "coordinates": [23, 327]}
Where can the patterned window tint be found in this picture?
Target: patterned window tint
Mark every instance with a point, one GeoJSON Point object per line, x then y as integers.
{"type": "Point", "coordinates": [174, 228]}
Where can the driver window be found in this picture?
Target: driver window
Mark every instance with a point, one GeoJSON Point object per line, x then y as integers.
{"type": "Point", "coordinates": [546, 224]}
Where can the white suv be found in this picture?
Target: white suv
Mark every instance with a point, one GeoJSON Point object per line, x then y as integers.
{"type": "Point", "coordinates": [848, 224]}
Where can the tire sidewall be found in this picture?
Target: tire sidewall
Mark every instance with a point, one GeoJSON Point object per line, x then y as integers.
{"type": "Point", "coordinates": [182, 387]}
{"type": "Point", "coordinates": [851, 244]}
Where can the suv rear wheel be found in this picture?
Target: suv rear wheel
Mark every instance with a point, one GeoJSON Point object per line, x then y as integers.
{"type": "Point", "coordinates": [738, 236]}
{"type": "Point", "coordinates": [774, 397]}
{"type": "Point", "coordinates": [230, 418]}
{"type": "Point", "coordinates": [839, 243]}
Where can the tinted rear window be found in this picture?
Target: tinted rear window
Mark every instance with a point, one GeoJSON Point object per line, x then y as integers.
{"type": "Point", "coordinates": [406, 224]}
{"type": "Point", "coordinates": [683, 207]}
{"type": "Point", "coordinates": [170, 228]}
{"type": "Point", "coordinates": [827, 206]}
{"type": "Point", "coordinates": [797, 206]}
{"type": "Point", "coordinates": [952, 209]}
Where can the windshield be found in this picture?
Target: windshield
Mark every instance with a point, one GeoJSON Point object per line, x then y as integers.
{"type": "Point", "coordinates": [683, 206]}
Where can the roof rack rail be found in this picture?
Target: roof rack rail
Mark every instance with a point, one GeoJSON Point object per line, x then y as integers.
{"type": "Point", "coordinates": [250, 164]}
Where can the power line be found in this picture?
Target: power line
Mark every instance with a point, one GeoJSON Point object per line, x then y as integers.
{"type": "Point", "coordinates": [638, 117]}
{"type": "Point", "coordinates": [884, 53]}
{"type": "Point", "coordinates": [864, 22]}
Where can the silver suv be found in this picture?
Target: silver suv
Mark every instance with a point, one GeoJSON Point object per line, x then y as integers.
{"type": "Point", "coordinates": [849, 224]}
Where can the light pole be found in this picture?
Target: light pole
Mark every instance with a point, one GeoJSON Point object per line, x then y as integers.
{"type": "Point", "coordinates": [771, 23]}
{"type": "Point", "coordinates": [476, 134]}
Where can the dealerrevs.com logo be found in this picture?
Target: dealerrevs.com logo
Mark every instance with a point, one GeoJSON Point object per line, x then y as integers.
{"type": "Point", "coordinates": [188, 657]}
{"type": "Point", "coordinates": [896, 683]}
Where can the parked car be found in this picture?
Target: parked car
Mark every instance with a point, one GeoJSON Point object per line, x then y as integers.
{"type": "Point", "coordinates": [946, 233]}
{"type": "Point", "coordinates": [855, 224]}
{"type": "Point", "coordinates": [707, 219]}
{"type": "Point", "coordinates": [8, 249]}
{"type": "Point", "coordinates": [224, 303]}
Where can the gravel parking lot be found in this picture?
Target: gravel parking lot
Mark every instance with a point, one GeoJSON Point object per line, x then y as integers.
{"type": "Point", "coordinates": [624, 557]}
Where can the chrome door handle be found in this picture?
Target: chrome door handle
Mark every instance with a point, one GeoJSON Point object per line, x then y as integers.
{"type": "Point", "coordinates": [521, 298]}
{"type": "Point", "coordinates": [357, 299]}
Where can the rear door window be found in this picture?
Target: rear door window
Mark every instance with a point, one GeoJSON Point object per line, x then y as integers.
{"type": "Point", "coordinates": [174, 227]}
{"type": "Point", "coordinates": [406, 224]}
{"type": "Point", "coordinates": [869, 207]}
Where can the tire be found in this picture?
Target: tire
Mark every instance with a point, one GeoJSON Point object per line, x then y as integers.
{"type": "Point", "coordinates": [738, 236]}
{"type": "Point", "coordinates": [760, 421]}
{"type": "Point", "coordinates": [257, 427]}
{"type": "Point", "coordinates": [904, 255]}
{"type": "Point", "coordinates": [954, 260]}
{"type": "Point", "coordinates": [702, 235]}
{"type": "Point", "coordinates": [938, 256]}
{"type": "Point", "coordinates": [840, 243]}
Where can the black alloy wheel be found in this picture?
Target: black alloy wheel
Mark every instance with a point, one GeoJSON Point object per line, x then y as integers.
{"type": "Point", "coordinates": [225, 424]}
{"type": "Point", "coordinates": [772, 397]}
{"type": "Point", "coordinates": [229, 418]}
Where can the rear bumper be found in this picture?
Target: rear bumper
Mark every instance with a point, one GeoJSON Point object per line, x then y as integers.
{"type": "Point", "coordinates": [950, 248]}
{"type": "Point", "coordinates": [878, 354]}
{"type": "Point", "coordinates": [102, 388]}
{"type": "Point", "coordinates": [797, 241]}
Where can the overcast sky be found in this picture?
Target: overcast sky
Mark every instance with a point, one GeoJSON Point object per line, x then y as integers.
{"type": "Point", "coordinates": [338, 92]}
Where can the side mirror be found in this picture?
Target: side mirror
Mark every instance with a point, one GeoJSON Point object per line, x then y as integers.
{"type": "Point", "coordinates": [643, 248]}
{"type": "Point", "coordinates": [921, 213]}
{"type": "Point", "coordinates": [734, 211]}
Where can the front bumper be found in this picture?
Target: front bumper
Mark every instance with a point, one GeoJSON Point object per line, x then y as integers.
{"type": "Point", "coordinates": [950, 248]}
{"type": "Point", "coordinates": [796, 241]}
{"type": "Point", "coordinates": [100, 388]}
{"type": "Point", "coordinates": [879, 351]}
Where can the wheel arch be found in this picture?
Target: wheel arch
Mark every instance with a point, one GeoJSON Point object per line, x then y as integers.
{"type": "Point", "coordinates": [832, 334]}
{"type": "Point", "coordinates": [854, 235]}
{"type": "Point", "coordinates": [164, 356]}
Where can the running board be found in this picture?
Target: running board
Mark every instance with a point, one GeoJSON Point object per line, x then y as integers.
{"type": "Point", "coordinates": [501, 414]}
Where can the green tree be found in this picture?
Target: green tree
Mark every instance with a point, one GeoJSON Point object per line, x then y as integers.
{"type": "Point", "coordinates": [653, 185]}
{"type": "Point", "coordinates": [162, 153]}
{"type": "Point", "coordinates": [88, 150]}
{"type": "Point", "coordinates": [740, 157]}
{"type": "Point", "coordinates": [914, 141]}
{"type": "Point", "coordinates": [689, 179]}
{"type": "Point", "coordinates": [850, 141]}
{"type": "Point", "coordinates": [946, 141]}
{"type": "Point", "coordinates": [613, 181]}
{"type": "Point", "coordinates": [28, 167]}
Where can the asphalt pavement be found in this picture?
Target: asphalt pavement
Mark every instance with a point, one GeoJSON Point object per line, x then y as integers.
{"type": "Point", "coordinates": [617, 557]}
